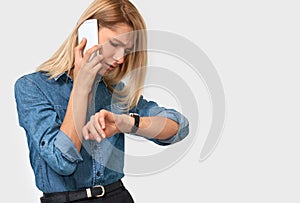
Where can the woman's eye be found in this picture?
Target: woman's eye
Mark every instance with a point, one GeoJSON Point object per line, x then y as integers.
{"type": "Point", "coordinates": [113, 44]}
{"type": "Point", "coordinates": [128, 51]}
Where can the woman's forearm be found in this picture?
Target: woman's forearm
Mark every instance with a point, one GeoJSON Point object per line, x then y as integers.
{"type": "Point", "coordinates": [75, 118]}
{"type": "Point", "coordinates": [154, 127]}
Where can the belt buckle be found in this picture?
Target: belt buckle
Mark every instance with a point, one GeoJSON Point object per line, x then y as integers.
{"type": "Point", "coordinates": [89, 192]}
{"type": "Point", "coordinates": [102, 188]}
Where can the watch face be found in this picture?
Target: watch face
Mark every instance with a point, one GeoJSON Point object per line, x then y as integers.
{"type": "Point", "coordinates": [133, 114]}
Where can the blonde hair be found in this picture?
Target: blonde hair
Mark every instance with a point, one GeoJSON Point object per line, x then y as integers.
{"type": "Point", "coordinates": [109, 13]}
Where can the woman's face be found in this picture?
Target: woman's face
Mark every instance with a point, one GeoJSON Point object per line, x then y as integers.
{"type": "Point", "coordinates": [115, 44]}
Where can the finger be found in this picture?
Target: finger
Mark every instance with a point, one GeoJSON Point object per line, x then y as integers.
{"type": "Point", "coordinates": [96, 60]}
{"type": "Point", "coordinates": [96, 68]}
{"type": "Point", "coordinates": [89, 132]}
{"type": "Point", "coordinates": [95, 56]}
{"type": "Point", "coordinates": [101, 118]}
{"type": "Point", "coordinates": [85, 133]}
{"type": "Point", "coordinates": [94, 134]}
{"type": "Point", "coordinates": [92, 50]}
{"type": "Point", "coordinates": [79, 49]}
{"type": "Point", "coordinates": [101, 133]}
{"type": "Point", "coordinates": [102, 70]}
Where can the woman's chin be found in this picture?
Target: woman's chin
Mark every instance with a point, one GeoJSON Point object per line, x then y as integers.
{"type": "Point", "coordinates": [104, 73]}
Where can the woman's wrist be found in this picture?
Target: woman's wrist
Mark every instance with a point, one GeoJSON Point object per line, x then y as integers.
{"type": "Point", "coordinates": [125, 123]}
{"type": "Point", "coordinates": [79, 91]}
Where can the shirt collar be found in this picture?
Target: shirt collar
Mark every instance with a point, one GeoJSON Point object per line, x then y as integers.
{"type": "Point", "coordinates": [99, 79]}
{"type": "Point", "coordinates": [63, 75]}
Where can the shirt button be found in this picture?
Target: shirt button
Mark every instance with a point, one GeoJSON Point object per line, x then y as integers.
{"type": "Point", "coordinates": [43, 143]}
{"type": "Point", "coordinates": [98, 173]}
{"type": "Point", "coordinates": [95, 147]}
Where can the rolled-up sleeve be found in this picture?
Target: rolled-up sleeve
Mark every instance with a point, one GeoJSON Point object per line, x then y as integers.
{"type": "Point", "coordinates": [151, 108]}
{"type": "Point", "coordinates": [67, 147]}
{"type": "Point", "coordinates": [40, 121]}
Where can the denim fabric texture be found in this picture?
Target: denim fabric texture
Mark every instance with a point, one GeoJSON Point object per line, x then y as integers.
{"type": "Point", "coordinates": [57, 165]}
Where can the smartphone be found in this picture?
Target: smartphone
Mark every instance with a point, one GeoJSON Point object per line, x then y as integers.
{"type": "Point", "coordinates": [89, 30]}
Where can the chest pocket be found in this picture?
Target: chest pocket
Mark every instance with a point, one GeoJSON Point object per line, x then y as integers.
{"type": "Point", "coordinates": [60, 113]}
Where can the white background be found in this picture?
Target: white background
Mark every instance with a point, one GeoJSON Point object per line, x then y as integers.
{"type": "Point", "coordinates": [254, 46]}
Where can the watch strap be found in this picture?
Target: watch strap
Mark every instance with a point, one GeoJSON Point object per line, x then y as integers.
{"type": "Point", "coordinates": [136, 124]}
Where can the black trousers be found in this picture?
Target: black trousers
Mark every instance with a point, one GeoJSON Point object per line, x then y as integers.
{"type": "Point", "coordinates": [120, 195]}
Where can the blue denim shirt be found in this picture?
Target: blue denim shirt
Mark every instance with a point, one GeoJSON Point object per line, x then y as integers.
{"type": "Point", "coordinates": [57, 165]}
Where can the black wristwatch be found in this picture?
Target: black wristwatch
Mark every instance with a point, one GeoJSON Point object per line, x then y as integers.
{"type": "Point", "coordinates": [136, 117]}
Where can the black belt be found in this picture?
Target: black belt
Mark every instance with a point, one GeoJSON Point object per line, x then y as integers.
{"type": "Point", "coordinates": [93, 192]}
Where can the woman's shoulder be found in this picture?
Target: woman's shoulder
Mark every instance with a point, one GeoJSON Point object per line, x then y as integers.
{"type": "Point", "coordinates": [31, 79]}
{"type": "Point", "coordinates": [35, 76]}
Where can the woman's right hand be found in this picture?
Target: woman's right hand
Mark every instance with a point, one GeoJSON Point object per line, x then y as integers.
{"type": "Point", "coordinates": [86, 69]}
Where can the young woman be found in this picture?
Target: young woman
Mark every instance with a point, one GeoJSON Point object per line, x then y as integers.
{"type": "Point", "coordinates": [78, 161]}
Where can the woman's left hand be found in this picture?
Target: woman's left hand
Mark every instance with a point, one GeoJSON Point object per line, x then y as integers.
{"type": "Point", "coordinates": [105, 124]}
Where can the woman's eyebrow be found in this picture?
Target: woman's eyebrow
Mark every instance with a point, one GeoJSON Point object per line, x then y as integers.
{"type": "Point", "coordinates": [122, 43]}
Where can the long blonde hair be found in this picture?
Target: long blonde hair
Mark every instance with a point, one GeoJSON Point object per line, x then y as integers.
{"type": "Point", "coordinates": [108, 13]}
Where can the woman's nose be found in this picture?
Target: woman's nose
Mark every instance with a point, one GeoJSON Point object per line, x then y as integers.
{"type": "Point", "coordinates": [119, 56]}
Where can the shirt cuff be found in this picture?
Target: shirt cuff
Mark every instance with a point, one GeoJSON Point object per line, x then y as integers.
{"type": "Point", "coordinates": [180, 135]}
{"type": "Point", "coordinates": [67, 147]}
{"type": "Point", "coordinates": [182, 132]}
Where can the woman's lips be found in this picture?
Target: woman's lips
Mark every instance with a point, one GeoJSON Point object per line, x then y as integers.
{"type": "Point", "coordinates": [110, 67]}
